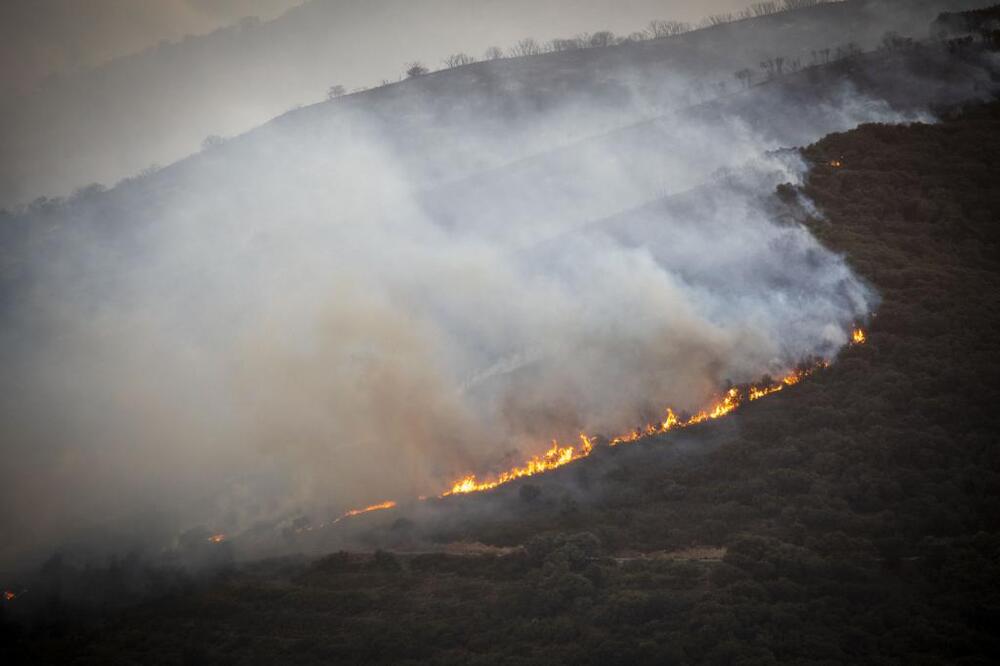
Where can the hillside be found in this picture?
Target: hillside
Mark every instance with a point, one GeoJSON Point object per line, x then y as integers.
{"type": "Point", "coordinates": [676, 350]}
{"type": "Point", "coordinates": [68, 134]}
{"type": "Point", "coordinates": [451, 242]}
{"type": "Point", "coordinates": [850, 520]}
{"type": "Point", "coordinates": [461, 138]}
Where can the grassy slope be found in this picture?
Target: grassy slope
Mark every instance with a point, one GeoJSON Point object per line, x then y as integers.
{"type": "Point", "coordinates": [860, 511]}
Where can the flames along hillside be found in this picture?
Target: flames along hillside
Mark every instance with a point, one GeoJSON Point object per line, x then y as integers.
{"type": "Point", "coordinates": [559, 455]}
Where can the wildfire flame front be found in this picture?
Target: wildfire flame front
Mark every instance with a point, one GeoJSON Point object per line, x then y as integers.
{"type": "Point", "coordinates": [381, 506]}
{"type": "Point", "coordinates": [557, 455]}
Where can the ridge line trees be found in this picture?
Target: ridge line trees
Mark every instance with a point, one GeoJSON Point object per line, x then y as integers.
{"type": "Point", "coordinates": [764, 8]}
{"type": "Point", "coordinates": [661, 28]}
{"type": "Point", "coordinates": [458, 59]}
{"type": "Point", "coordinates": [415, 69]}
{"type": "Point", "coordinates": [525, 47]}
{"type": "Point", "coordinates": [656, 29]}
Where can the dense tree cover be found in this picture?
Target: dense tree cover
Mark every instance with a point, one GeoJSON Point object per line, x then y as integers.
{"type": "Point", "coordinates": [852, 519]}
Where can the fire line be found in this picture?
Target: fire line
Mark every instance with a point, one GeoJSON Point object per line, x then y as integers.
{"type": "Point", "coordinates": [388, 504]}
{"type": "Point", "coordinates": [558, 455]}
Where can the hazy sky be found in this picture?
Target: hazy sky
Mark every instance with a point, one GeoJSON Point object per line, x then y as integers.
{"type": "Point", "coordinates": [39, 37]}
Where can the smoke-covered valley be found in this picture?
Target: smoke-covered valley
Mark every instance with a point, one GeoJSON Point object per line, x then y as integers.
{"type": "Point", "coordinates": [368, 298]}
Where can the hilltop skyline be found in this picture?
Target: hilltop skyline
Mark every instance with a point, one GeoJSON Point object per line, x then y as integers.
{"type": "Point", "coordinates": [40, 38]}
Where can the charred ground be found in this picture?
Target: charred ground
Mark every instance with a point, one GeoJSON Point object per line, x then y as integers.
{"type": "Point", "coordinates": [856, 517]}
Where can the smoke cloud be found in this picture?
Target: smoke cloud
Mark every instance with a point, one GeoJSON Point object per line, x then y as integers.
{"type": "Point", "coordinates": [310, 319]}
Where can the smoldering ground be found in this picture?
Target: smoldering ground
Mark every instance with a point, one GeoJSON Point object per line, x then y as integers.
{"type": "Point", "coordinates": [316, 315]}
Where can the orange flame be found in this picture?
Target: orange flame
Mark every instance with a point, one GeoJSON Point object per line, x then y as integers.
{"type": "Point", "coordinates": [731, 400]}
{"type": "Point", "coordinates": [558, 455]}
{"type": "Point", "coordinates": [388, 504]}
{"type": "Point", "coordinates": [836, 164]}
{"type": "Point", "coordinates": [9, 596]}
{"type": "Point", "coordinates": [217, 538]}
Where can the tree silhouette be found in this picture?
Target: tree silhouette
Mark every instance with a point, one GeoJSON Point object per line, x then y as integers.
{"type": "Point", "coordinates": [415, 69]}
{"type": "Point", "coordinates": [668, 28]}
{"type": "Point", "coordinates": [458, 59]}
{"type": "Point", "coordinates": [526, 47]}
{"type": "Point", "coordinates": [744, 76]}
{"type": "Point", "coordinates": [602, 38]}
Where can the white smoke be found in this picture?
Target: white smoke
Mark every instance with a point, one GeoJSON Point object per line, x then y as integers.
{"type": "Point", "coordinates": [294, 321]}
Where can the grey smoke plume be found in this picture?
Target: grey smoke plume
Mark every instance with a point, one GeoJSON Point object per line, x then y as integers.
{"type": "Point", "coordinates": [312, 320]}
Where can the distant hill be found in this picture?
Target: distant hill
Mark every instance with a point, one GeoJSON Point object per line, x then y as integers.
{"type": "Point", "coordinates": [157, 106]}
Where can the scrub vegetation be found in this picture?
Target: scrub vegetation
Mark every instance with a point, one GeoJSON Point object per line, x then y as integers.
{"type": "Point", "coordinates": [852, 520]}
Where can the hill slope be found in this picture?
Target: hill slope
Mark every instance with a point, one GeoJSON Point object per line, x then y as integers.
{"type": "Point", "coordinates": [857, 515]}
{"type": "Point", "coordinates": [535, 198]}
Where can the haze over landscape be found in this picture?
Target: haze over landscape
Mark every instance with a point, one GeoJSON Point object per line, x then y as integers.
{"type": "Point", "coordinates": [115, 118]}
{"type": "Point", "coordinates": [357, 325]}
